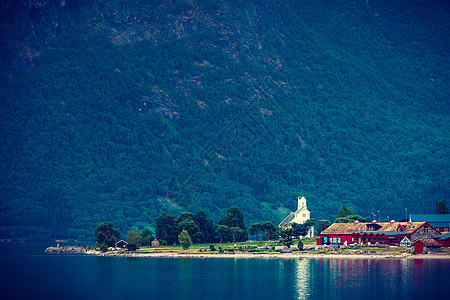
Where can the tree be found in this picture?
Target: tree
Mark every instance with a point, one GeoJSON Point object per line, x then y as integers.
{"type": "Point", "coordinates": [345, 211]}
{"type": "Point", "coordinates": [134, 237]}
{"type": "Point", "coordinates": [302, 229]}
{"type": "Point", "coordinates": [188, 222]}
{"type": "Point", "coordinates": [165, 229]}
{"type": "Point", "coordinates": [184, 239]}
{"type": "Point", "coordinates": [322, 225]}
{"type": "Point", "coordinates": [147, 237]}
{"type": "Point", "coordinates": [198, 237]}
{"type": "Point", "coordinates": [269, 231]}
{"type": "Point", "coordinates": [285, 236]}
{"type": "Point", "coordinates": [441, 207]}
{"type": "Point", "coordinates": [206, 226]}
{"type": "Point", "coordinates": [346, 215]}
{"type": "Point", "coordinates": [191, 227]}
{"type": "Point", "coordinates": [131, 247]}
{"type": "Point", "coordinates": [300, 245]}
{"type": "Point", "coordinates": [351, 219]}
{"type": "Point", "coordinates": [267, 228]}
{"type": "Point", "coordinates": [307, 226]}
{"type": "Point", "coordinates": [223, 233]}
{"type": "Point", "coordinates": [237, 234]}
{"type": "Point", "coordinates": [255, 229]}
{"type": "Point", "coordinates": [235, 218]}
{"type": "Point", "coordinates": [184, 216]}
{"type": "Point", "coordinates": [106, 235]}
{"type": "Point", "coordinates": [296, 229]}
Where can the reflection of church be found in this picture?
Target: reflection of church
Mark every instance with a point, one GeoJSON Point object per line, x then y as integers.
{"type": "Point", "coordinates": [300, 216]}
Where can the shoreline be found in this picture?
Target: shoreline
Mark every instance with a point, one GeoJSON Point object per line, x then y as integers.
{"type": "Point", "coordinates": [267, 255]}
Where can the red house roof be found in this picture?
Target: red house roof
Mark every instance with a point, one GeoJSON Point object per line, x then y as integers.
{"type": "Point", "coordinates": [350, 228]}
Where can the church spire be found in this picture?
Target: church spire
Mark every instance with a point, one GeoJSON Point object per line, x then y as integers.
{"type": "Point", "coordinates": [301, 202]}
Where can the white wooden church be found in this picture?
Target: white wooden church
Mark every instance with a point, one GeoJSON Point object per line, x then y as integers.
{"type": "Point", "coordinates": [300, 216]}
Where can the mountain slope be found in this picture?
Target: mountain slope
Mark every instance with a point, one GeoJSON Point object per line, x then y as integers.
{"type": "Point", "coordinates": [131, 109]}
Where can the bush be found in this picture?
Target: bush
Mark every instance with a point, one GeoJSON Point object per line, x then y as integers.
{"type": "Point", "coordinates": [300, 245]}
{"type": "Point", "coordinates": [212, 248]}
{"type": "Point", "coordinates": [103, 248]}
{"type": "Point", "coordinates": [132, 247]}
{"type": "Point", "coordinates": [184, 239]}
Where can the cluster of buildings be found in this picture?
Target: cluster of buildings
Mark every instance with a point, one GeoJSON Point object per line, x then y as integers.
{"type": "Point", "coordinates": [423, 232]}
{"type": "Point", "coordinates": [421, 235]}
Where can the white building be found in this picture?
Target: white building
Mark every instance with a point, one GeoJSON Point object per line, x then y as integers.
{"type": "Point", "coordinates": [300, 216]}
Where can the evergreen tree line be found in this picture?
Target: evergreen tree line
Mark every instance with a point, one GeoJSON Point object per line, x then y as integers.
{"type": "Point", "coordinates": [230, 228]}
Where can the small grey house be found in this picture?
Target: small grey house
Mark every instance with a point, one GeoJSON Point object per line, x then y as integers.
{"type": "Point", "coordinates": [121, 244]}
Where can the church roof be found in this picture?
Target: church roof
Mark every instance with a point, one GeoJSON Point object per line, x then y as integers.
{"type": "Point", "coordinates": [303, 208]}
{"type": "Point", "coordinates": [286, 220]}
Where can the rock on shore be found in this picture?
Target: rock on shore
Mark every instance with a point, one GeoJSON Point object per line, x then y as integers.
{"type": "Point", "coordinates": [67, 249]}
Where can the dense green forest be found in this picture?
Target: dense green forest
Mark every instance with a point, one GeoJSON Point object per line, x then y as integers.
{"type": "Point", "coordinates": [145, 107]}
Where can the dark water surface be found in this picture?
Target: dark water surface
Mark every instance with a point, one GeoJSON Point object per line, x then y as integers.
{"type": "Point", "coordinates": [29, 273]}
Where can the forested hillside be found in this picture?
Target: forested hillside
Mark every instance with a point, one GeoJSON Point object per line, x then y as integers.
{"type": "Point", "coordinates": [121, 110]}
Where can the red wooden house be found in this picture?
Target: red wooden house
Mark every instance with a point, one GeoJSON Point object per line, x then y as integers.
{"type": "Point", "coordinates": [426, 245]}
{"type": "Point", "coordinates": [391, 233]}
{"type": "Point", "coordinates": [443, 239]}
{"type": "Point", "coordinates": [338, 233]}
{"type": "Point", "coordinates": [392, 238]}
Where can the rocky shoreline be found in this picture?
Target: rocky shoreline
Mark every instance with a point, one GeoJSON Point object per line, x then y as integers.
{"type": "Point", "coordinates": [68, 249]}
{"type": "Point", "coordinates": [258, 255]}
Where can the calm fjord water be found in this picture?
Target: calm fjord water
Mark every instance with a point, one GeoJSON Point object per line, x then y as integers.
{"type": "Point", "coordinates": [28, 273]}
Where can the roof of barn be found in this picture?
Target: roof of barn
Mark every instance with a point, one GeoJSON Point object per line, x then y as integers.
{"type": "Point", "coordinates": [350, 228]}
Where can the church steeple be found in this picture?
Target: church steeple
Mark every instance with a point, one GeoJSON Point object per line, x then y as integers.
{"type": "Point", "coordinates": [301, 202]}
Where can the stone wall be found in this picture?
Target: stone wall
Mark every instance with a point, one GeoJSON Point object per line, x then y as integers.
{"type": "Point", "coordinates": [422, 234]}
{"type": "Point", "coordinates": [432, 249]}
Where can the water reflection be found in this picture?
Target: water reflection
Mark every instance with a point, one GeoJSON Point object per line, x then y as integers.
{"type": "Point", "coordinates": [303, 278]}
{"type": "Point", "coordinates": [371, 278]}
{"type": "Point", "coordinates": [105, 269]}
